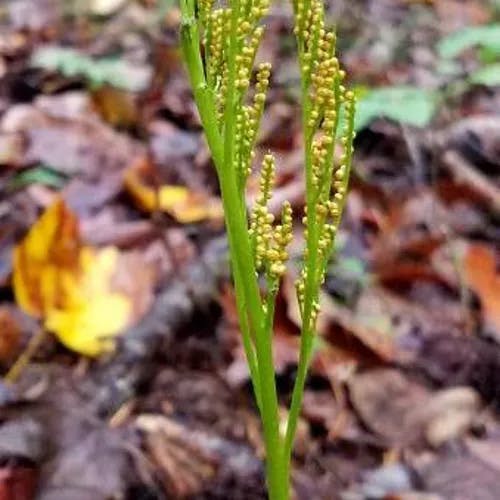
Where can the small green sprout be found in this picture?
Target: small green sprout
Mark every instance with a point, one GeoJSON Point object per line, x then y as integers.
{"type": "Point", "coordinates": [220, 42]}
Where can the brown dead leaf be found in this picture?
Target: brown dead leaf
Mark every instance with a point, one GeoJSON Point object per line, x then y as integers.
{"type": "Point", "coordinates": [332, 316]}
{"type": "Point", "coordinates": [110, 227]}
{"type": "Point", "coordinates": [410, 229]}
{"type": "Point", "coordinates": [454, 14]}
{"type": "Point", "coordinates": [184, 206]}
{"type": "Point", "coordinates": [467, 176]}
{"type": "Point", "coordinates": [404, 412]}
{"type": "Point", "coordinates": [17, 482]}
{"type": "Point", "coordinates": [277, 127]}
{"type": "Point", "coordinates": [63, 132]}
{"type": "Point", "coordinates": [60, 428]}
{"type": "Point", "coordinates": [184, 464]}
{"type": "Point", "coordinates": [89, 196]}
{"type": "Point", "coordinates": [116, 106]}
{"type": "Point", "coordinates": [190, 460]}
{"type": "Point", "coordinates": [481, 274]}
{"type": "Point", "coordinates": [323, 408]}
{"type": "Point", "coordinates": [403, 273]}
{"type": "Point", "coordinates": [174, 151]}
{"type": "Point", "coordinates": [135, 279]}
{"type": "Point", "coordinates": [10, 335]}
{"type": "Point", "coordinates": [386, 402]}
{"type": "Point", "coordinates": [373, 328]}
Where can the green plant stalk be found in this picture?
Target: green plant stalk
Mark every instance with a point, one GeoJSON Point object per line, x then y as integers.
{"type": "Point", "coordinates": [231, 154]}
{"type": "Point", "coordinates": [206, 105]}
{"type": "Point", "coordinates": [237, 231]}
{"type": "Point", "coordinates": [246, 286]}
{"type": "Point", "coordinates": [236, 221]}
{"type": "Point", "coordinates": [283, 472]}
{"type": "Point", "coordinates": [190, 41]}
{"type": "Point", "coordinates": [307, 333]}
{"type": "Point", "coordinates": [247, 341]}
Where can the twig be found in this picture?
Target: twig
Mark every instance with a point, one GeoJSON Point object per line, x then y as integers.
{"type": "Point", "coordinates": [23, 360]}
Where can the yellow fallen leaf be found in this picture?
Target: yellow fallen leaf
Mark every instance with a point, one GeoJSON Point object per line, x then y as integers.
{"type": "Point", "coordinates": [94, 313]}
{"type": "Point", "coordinates": [183, 205]}
{"type": "Point", "coordinates": [70, 286]}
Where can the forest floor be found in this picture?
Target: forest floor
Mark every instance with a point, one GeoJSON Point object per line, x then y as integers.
{"type": "Point", "coordinates": [402, 401]}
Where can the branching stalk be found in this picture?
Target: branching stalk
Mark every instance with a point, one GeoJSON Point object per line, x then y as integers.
{"type": "Point", "coordinates": [219, 43]}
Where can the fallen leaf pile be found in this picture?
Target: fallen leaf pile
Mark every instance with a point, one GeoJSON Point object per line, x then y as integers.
{"type": "Point", "coordinates": [70, 286]}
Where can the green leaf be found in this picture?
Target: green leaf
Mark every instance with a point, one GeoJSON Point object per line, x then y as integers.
{"type": "Point", "coordinates": [402, 104]}
{"type": "Point", "coordinates": [352, 266]}
{"type": "Point", "coordinates": [486, 37]}
{"type": "Point", "coordinates": [449, 68]}
{"type": "Point", "coordinates": [489, 76]}
{"type": "Point", "coordinates": [37, 175]}
{"type": "Point", "coordinates": [98, 71]}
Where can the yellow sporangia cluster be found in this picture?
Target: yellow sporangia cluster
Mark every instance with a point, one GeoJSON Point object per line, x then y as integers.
{"type": "Point", "coordinates": [217, 26]}
{"type": "Point", "coordinates": [327, 97]}
{"type": "Point", "coordinates": [205, 9]}
{"type": "Point", "coordinates": [270, 242]}
{"type": "Point", "coordinates": [247, 123]}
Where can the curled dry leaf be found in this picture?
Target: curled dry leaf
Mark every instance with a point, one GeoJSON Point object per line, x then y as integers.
{"type": "Point", "coordinates": [70, 286]}
{"type": "Point", "coordinates": [185, 463]}
{"type": "Point", "coordinates": [183, 205]}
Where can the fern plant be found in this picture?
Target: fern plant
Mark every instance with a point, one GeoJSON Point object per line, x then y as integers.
{"type": "Point", "coordinates": [219, 43]}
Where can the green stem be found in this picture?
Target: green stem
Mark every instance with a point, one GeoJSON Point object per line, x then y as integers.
{"type": "Point", "coordinates": [206, 106]}
{"type": "Point", "coordinates": [242, 259]}
{"type": "Point", "coordinates": [310, 293]}
{"type": "Point", "coordinates": [203, 95]}
{"type": "Point", "coordinates": [280, 490]}
{"type": "Point", "coordinates": [247, 291]}
{"type": "Point", "coordinates": [243, 264]}
{"type": "Point", "coordinates": [247, 340]}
